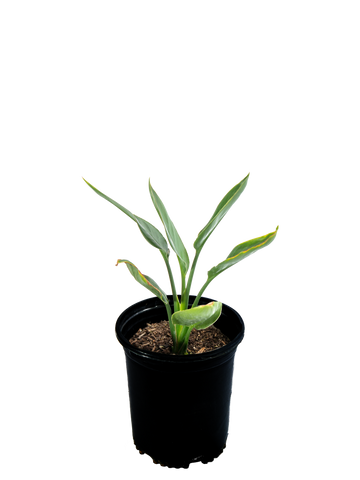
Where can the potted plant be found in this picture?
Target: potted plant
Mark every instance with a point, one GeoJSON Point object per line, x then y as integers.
{"type": "Point", "coordinates": [179, 402]}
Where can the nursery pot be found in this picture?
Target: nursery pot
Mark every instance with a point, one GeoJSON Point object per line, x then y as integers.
{"type": "Point", "coordinates": [179, 403]}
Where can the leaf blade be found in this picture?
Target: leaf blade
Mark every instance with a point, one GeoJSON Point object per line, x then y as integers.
{"type": "Point", "coordinates": [150, 233]}
{"type": "Point", "coordinates": [145, 280]}
{"type": "Point", "coordinates": [241, 251]}
{"type": "Point", "coordinates": [199, 317]}
{"type": "Point", "coordinates": [171, 232]}
{"type": "Point", "coordinates": [220, 211]}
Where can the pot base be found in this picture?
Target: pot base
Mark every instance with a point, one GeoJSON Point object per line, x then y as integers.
{"type": "Point", "coordinates": [169, 468]}
{"type": "Point", "coordinates": [164, 465]}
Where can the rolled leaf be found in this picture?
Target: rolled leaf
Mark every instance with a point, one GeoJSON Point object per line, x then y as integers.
{"type": "Point", "coordinates": [171, 232]}
{"type": "Point", "coordinates": [199, 317]}
{"type": "Point", "coordinates": [145, 281]}
{"type": "Point", "coordinates": [151, 234]}
{"type": "Point", "coordinates": [221, 210]}
{"type": "Point", "coordinates": [239, 253]}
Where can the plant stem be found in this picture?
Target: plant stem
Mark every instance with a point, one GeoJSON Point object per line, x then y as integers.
{"type": "Point", "coordinates": [188, 285]}
{"type": "Point", "coordinates": [172, 282]}
{"type": "Point", "coordinates": [171, 325]}
{"type": "Point", "coordinates": [196, 301]}
{"type": "Point", "coordinates": [182, 340]}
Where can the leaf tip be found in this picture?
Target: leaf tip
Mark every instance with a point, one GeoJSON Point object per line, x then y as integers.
{"type": "Point", "coordinates": [82, 176]}
{"type": "Point", "coordinates": [116, 264]}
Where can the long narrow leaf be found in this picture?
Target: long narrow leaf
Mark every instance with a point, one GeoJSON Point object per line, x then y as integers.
{"type": "Point", "coordinates": [171, 232]}
{"type": "Point", "coordinates": [145, 281]}
{"type": "Point", "coordinates": [221, 210]}
{"type": "Point", "coordinates": [238, 253]}
{"type": "Point", "coordinates": [151, 234]}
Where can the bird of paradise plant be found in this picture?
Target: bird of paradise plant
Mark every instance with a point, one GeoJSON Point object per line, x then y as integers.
{"type": "Point", "coordinates": [183, 319]}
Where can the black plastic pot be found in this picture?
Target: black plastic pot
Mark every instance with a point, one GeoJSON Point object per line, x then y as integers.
{"type": "Point", "coordinates": [179, 403]}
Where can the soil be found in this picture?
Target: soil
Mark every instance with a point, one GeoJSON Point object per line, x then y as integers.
{"type": "Point", "coordinates": [156, 337]}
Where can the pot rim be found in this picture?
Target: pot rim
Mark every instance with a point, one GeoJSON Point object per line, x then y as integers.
{"type": "Point", "coordinates": [183, 359]}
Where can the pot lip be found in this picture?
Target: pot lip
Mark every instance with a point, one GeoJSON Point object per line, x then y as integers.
{"type": "Point", "coordinates": [183, 359]}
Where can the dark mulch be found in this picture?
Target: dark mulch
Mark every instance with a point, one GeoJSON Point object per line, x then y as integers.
{"type": "Point", "coordinates": [156, 337]}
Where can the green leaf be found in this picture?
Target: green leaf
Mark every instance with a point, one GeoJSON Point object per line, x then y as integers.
{"type": "Point", "coordinates": [171, 232]}
{"type": "Point", "coordinates": [238, 253]}
{"type": "Point", "coordinates": [198, 317]}
{"type": "Point", "coordinates": [151, 234]}
{"type": "Point", "coordinates": [221, 210]}
{"type": "Point", "coordinates": [145, 281]}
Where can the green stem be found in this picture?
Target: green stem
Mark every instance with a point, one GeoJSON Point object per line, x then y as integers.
{"type": "Point", "coordinates": [185, 297]}
{"type": "Point", "coordinates": [175, 331]}
{"type": "Point", "coordinates": [182, 340]}
{"type": "Point", "coordinates": [172, 326]}
{"type": "Point", "coordinates": [180, 336]}
{"type": "Point", "coordinates": [198, 296]}
{"type": "Point", "coordinates": [172, 282]}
